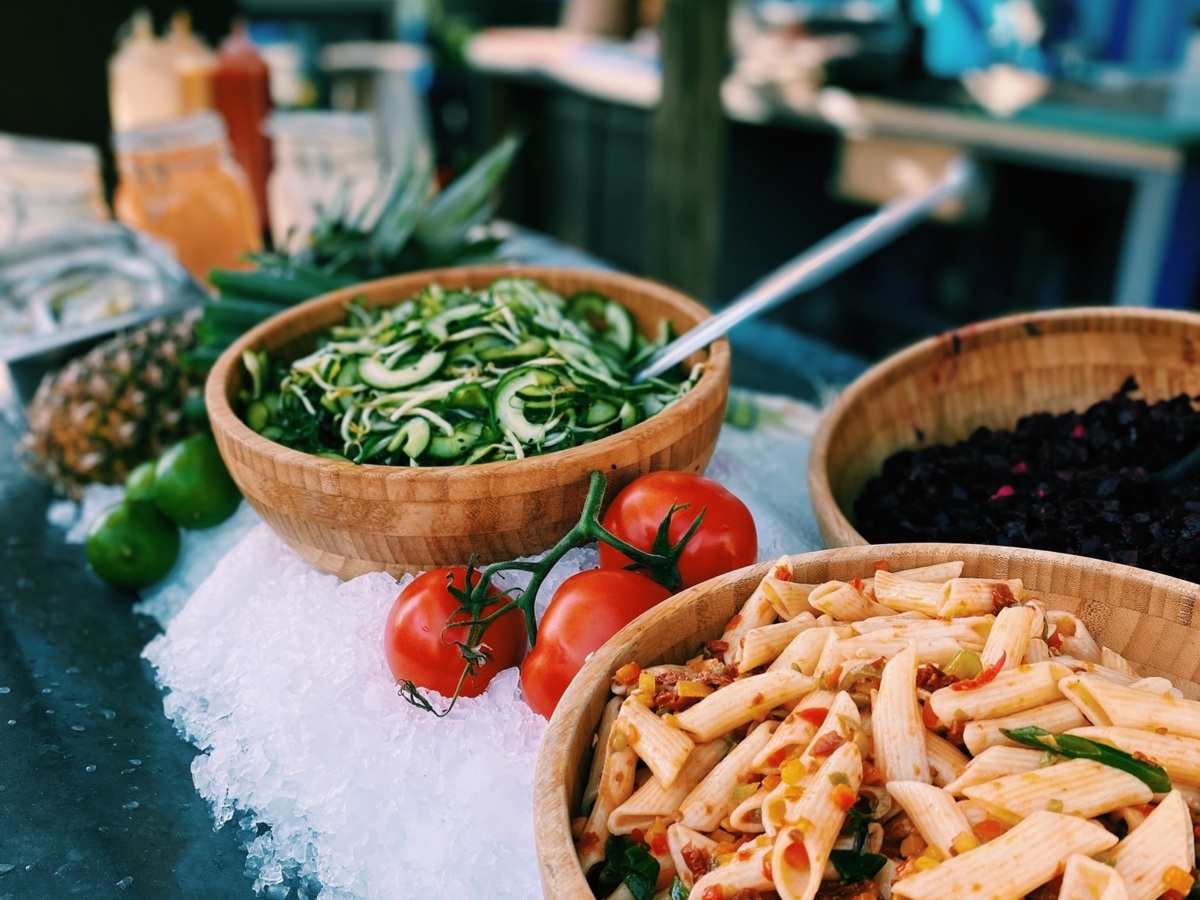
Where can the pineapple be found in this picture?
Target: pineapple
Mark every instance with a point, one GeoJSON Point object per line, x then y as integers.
{"type": "Point", "coordinates": [121, 404]}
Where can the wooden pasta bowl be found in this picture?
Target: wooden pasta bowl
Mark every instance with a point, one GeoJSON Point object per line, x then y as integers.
{"type": "Point", "coordinates": [991, 374]}
{"type": "Point", "coordinates": [349, 519]}
{"type": "Point", "coordinates": [1146, 617]}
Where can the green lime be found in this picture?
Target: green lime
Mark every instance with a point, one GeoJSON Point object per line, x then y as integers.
{"type": "Point", "coordinates": [132, 545]}
{"type": "Point", "coordinates": [139, 486]}
{"type": "Point", "coordinates": [192, 487]}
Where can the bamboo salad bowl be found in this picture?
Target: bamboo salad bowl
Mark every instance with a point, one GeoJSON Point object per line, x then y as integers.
{"type": "Point", "coordinates": [991, 374]}
{"type": "Point", "coordinates": [1146, 617]}
{"type": "Point", "coordinates": [348, 519]}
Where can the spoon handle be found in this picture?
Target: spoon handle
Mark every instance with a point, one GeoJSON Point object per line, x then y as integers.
{"type": "Point", "coordinates": [816, 265]}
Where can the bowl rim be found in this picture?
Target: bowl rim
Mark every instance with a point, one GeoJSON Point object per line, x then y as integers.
{"type": "Point", "coordinates": [581, 458]}
{"type": "Point", "coordinates": [819, 488]}
{"type": "Point", "coordinates": [552, 817]}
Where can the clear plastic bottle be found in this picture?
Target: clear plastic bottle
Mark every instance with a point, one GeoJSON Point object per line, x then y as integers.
{"type": "Point", "coordinates": [46, 186]}
{"type": "Point", "coordinates": [179, 183]}
{"type": "Point", "coordinates": [324, 161]}
{"type": "Point", "coordinates": [143, 84]}
{"type": "Point", "coordinates": [194, 64]}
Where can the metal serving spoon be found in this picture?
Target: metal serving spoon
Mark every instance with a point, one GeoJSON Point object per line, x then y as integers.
{"type": "Point", "coordinates": [816, 265]}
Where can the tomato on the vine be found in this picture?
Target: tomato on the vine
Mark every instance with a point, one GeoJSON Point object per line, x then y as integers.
{"type": "Point", "coordinates": [421, 648]}
{"type": "Point", "coordinates": [586, 610]}
{"type": "Point", "coordinates": [726, 539]}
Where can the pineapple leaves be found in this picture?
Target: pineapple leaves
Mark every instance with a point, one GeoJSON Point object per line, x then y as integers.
{"type": "Point", "coordinates": [467, 202]}
{"type": "Point", "coordinates": [408, 189]}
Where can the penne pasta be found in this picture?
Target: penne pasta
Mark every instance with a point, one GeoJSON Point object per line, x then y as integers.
{"type": "Point", "coordinates": [806, 649]}
{"type": "Point", "coordinates": [747, 869]}
{"type": "Point", "coordinates": [1160, 853]}
{"type": "Point", "coordinates": [896, 724]}
{"type": "Point", "coordinates": [1009, 636]}
{"type": "Point", "coordinates": [1075, 640]}
{"type": "Point", "coordinates": [946, 762]}
{"type": "Point", "coordinates": [756, 611]}
{"type": "Point", "coordinates": [935, 814]}
{"type": "Point", "coordinates": [1077, 787]}
{"type": "Point", "coordinates": [762, 645]}
{"type": "Point", "coordinates": [743, 701]}
{"type": "Point", "coordinates": [1086, 879]}
{"type": "Point", "coordinates": [845, 602]}
{"type": "Point", "coordinates": [908, 595]}
{"type": "Point", "coordinates": [737, 773]}
{"type": "Point", "coordinates": [976, 596]}
{"type": "Point", "coordinates": [654, 800]}
{"type": "Point", "coordinates": [1054, 717]}
{"type": "Point", "coordinates": [938, 573]}
{"type": "Point", "coordinates": [788, 598]}
{"type": "Point", "coordinates": [1180, 756]}
{"type": "Point", "coordinates": [815, 827]}
{"type": "Point", "coordinates": [662, 748]}
{"type": "Point", "coordinates": [987, 873]}
{"type": "Point", "coordinates": [996, 762]}
{"type": "Point", "coordinates": [1105, 703]}
{"type": "Point", "coordinates": [711, 800]}
{"type": "Point", "coordinates": [688, 848]}
{"type": "Point", "coordinates": [617, 783]}
{"type": "Point", "coordinates": [1011, 691]}
{"type": "Point", "coordinates": [794, 732]}
{"type": "Point", "coordinates": [600, 751]}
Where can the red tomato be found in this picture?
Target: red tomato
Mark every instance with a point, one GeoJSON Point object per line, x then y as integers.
{"type": "Point", "coordinates": [421, 649]}
{"type": "Point", "coordinates": [726, 539]}
{"type": "Point", "coordinates": [586, 610]}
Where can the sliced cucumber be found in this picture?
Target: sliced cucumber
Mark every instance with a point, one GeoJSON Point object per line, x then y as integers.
{"type": "Point", "coordinates": [529, 348]}
{"type": "Point", "coordinates": [510, 407]}
{"type": "Point", "coordinates": [438, 325]}
{"type": "Point", "coordinates": [412, 439]}
{"type": "Point", "coordinates": [584, 360]}
{"type": "Point", "coordinates": [376, 374]}
{"type": "Point", "coordinates": [599, 412]}
{"type": "Point", "coordinates": [466, 436]}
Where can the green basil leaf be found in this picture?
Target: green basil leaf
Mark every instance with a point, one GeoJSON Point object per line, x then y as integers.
{"type": "Point", "coordinates": [856, 866]}
{"type": "Point", "coordinates": [633, 864]}
{"type": "Point", "coordinates": [1075, 747]}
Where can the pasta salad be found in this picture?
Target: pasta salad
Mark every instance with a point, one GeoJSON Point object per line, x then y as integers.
{"type": "Point", "coordinates": [913, 734]}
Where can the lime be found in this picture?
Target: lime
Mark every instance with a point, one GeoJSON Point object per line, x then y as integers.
{"type": "Point", "coordinates": [132, 545]}
{"type": "Point", "coordinates": [192, 487]}
{"type": "Point", "coordinates": [139, 486]}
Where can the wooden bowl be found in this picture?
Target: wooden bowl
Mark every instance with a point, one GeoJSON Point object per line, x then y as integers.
{"type": "Point", "coordinates": [1146, 617]}
{"type": "Point", "coordinates": [348, 519]}
{"type": "Point", "coordinates": [992, 373]}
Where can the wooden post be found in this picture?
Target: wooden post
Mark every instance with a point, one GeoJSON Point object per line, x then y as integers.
{"type": "Point", "coordinates": [687, 164]}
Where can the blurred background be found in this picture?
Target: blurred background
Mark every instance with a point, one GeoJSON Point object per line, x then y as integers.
{"type": "Point", "coordinates": [701, 142]}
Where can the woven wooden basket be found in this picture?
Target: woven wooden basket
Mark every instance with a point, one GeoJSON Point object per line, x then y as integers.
{"type": "Point", "coordinates": [1146, 617]}
{"type": "Point", "coordinates": [348, 519]}
{"type": "Point", "coordinates": [992, 373]}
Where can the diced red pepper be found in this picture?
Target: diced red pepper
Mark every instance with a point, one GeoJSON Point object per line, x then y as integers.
{"type": "Point", "coordinates": [989, 829]}
{"type": "Point", "coordinates": [816, 715]}
{"type": "Point", "coordinates": [844, 796]}
{"type": "Point", "coordinates": [628, 674]}
{"type": "Point", "coordinates": [795, 855]}
{"type": "Point", "coordinates": [987, 675]}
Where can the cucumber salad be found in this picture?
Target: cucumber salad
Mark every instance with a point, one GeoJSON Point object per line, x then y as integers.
{"type": "Point", "coordinates": [452, 377]}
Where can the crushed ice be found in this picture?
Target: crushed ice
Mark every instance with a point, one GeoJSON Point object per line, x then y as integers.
{"type": "Point", "coordinates": [338, 786]}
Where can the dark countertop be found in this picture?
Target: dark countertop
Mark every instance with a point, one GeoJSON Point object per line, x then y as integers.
{"type": "Point", "coordinates": [83, 736]}
{"type": "Point", "coordinates": [82, 732]}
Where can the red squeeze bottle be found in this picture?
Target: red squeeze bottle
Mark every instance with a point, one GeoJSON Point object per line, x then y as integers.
{"type": "Point", "coordinates": [241, 94]}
